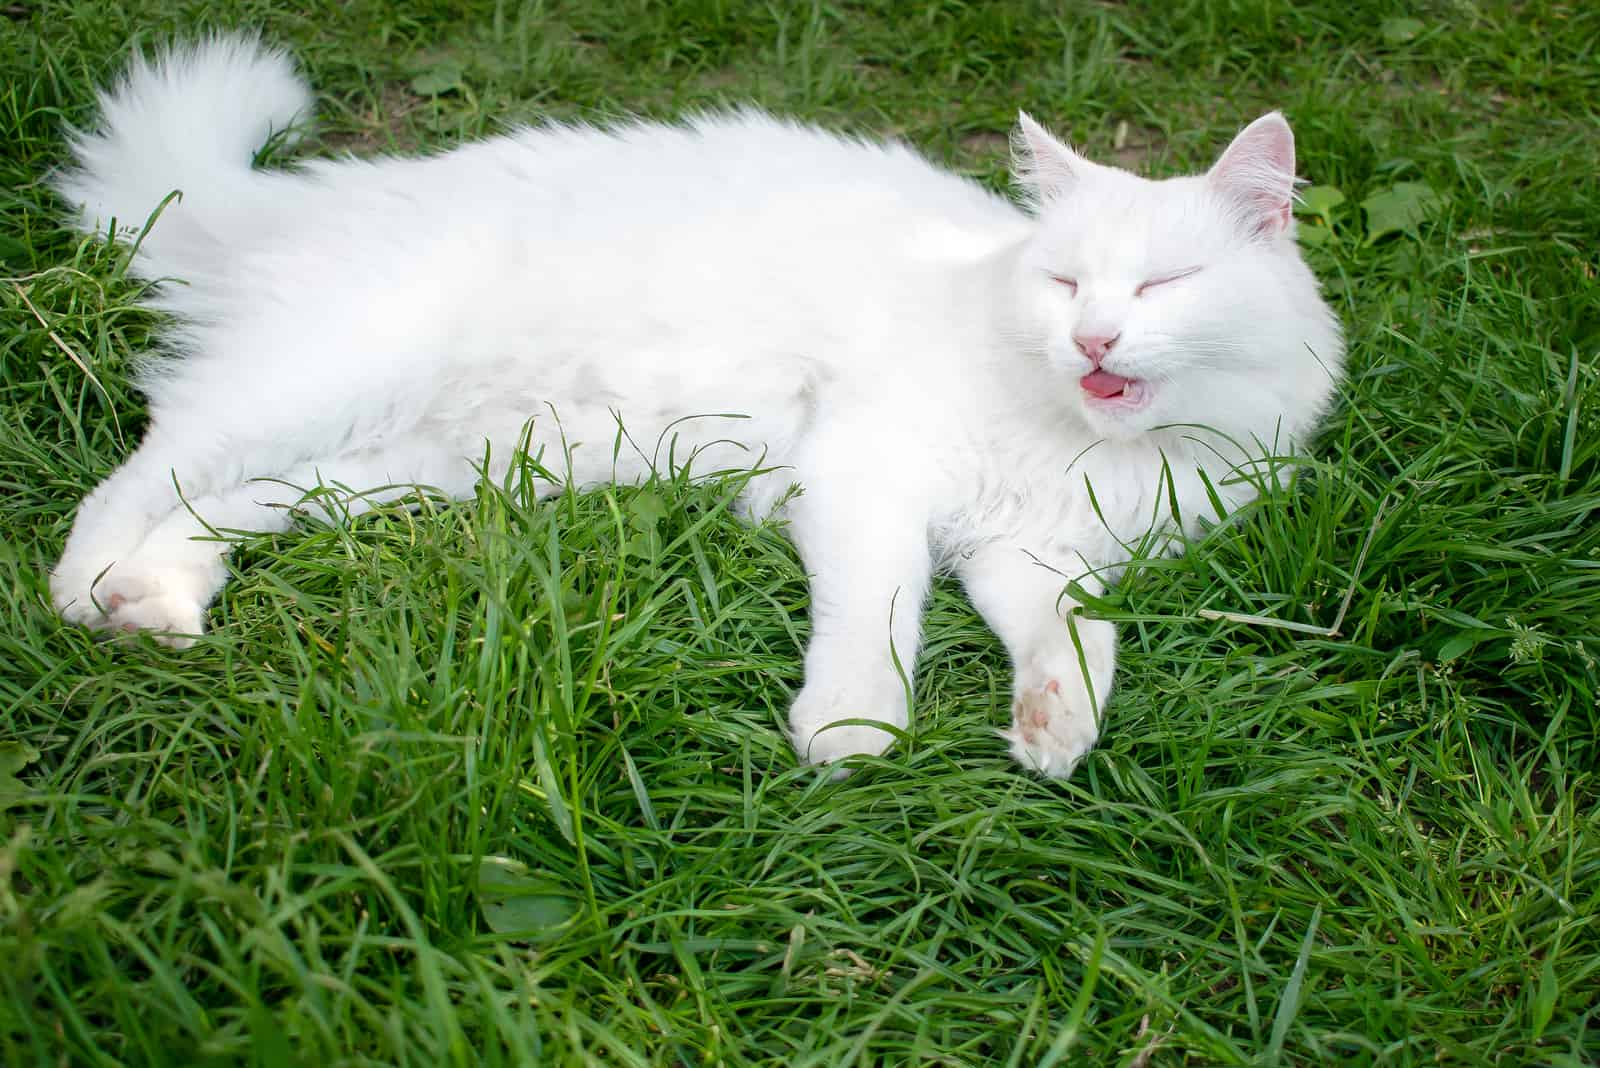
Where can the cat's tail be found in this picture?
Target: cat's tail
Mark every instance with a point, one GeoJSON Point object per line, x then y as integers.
{"type": "Point", "coordinates": [191, 120]}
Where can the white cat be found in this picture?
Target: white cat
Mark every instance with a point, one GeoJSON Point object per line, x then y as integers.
{"type": "Point", "coordinates": [1016, 395]}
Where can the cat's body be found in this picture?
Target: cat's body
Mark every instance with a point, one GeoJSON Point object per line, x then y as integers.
{"type": "Point", "coordinates": [905, 346]}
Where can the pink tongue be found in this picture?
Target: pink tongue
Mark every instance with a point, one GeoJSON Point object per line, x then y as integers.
{"type": "Point", "coordinates": [1104, 383]}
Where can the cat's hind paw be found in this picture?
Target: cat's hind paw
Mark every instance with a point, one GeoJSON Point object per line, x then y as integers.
{"type": "Point", "coordinates": [121, 604]}
{"type": "Point", "coordinates": [1051, 728]}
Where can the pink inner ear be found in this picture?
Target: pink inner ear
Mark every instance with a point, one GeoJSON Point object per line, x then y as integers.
{"type": "Point", "coordinates": [1257, 170]}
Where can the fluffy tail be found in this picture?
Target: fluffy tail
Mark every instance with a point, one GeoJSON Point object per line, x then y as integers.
{"type": "Point", "coordinates": [191, 120]}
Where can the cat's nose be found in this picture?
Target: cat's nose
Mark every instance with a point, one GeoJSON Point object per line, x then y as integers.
{"type": "Point", "coordinates": [1095, 346]}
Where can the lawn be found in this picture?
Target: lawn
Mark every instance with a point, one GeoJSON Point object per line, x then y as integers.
{"type": "Point", "coordinates": [505, 781]}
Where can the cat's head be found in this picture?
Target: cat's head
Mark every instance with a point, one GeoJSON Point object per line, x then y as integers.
{"type": "Point", "coordinates": [1181, 301]}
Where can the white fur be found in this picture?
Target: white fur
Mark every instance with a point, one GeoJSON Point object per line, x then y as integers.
{"type": "Point", "coordinates": [895, 335]}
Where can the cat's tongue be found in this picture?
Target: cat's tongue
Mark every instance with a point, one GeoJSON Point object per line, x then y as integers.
{"type": "Point", "coordinates": [1103, 383]}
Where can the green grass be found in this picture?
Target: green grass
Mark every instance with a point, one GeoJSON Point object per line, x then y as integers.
{"type": "Point", "coordinates": [505, 782]}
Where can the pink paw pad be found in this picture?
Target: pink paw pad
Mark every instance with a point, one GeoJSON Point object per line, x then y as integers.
{"type": "Point", "coordinates": [1031, 714]}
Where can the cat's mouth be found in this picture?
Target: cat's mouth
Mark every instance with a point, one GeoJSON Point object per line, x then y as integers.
{"type": "Point", "coordinates": [1102, 385]}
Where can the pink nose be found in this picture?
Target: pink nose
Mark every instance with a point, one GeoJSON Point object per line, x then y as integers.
{"type": "Point", "coordinates": [1095, 347]}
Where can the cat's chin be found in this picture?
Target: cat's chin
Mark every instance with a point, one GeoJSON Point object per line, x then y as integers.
{"type": "Point", "coordinates": [1123, 415]}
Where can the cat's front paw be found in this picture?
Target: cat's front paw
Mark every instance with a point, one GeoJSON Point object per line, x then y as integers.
{"type": "Point", "coordinates": [122, 602]}
{"type": "Point", "coordinates": [820, 737]}
{"type": "Point", "coordinates": [1053, 725]}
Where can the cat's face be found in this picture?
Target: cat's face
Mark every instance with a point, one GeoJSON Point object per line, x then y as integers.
{"type": "Point", "coordinates": [1174, 302]}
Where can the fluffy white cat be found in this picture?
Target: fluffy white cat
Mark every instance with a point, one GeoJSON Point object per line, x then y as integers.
{"type": "Point", "coordinates": [1015, 394]}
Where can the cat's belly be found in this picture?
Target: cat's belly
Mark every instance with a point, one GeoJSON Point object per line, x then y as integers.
{"type": "Point", "coordinates": [591, 419]}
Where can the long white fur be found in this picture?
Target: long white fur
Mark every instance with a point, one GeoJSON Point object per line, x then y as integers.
{"type": "Point", "coordinates": [896, 336]}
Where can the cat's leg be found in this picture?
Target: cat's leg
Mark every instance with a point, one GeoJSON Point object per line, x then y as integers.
{"type": "Point", "coordinates": [1063, 662]}
{"type": "Point", "coordinates": [165, 584]}
{"type": "Point", "coordinates": [110, 524]}
{"type": "Point", "coordinates": [870, 567]}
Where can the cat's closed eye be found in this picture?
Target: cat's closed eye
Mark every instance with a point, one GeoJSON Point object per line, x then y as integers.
{"type": "Point", "coordinates": [1163, 279]}
{"type": "Point", "coordinates": [1070, 283]}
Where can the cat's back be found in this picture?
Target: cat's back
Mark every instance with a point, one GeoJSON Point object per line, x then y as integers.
{"type": "Point", "coordinates": [754, 158]}
{"type": "Point", "coordinates": [730, 230]}
{"type": "Point", "coordinates": [751, 156]}
{"type": "Point", "coordinates": [760, 175]}
{"type": "Point", "coordinates": [665, 260]}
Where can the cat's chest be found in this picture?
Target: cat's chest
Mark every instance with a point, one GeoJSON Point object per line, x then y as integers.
{"type": "Point", "coordinates": [1059, 493]}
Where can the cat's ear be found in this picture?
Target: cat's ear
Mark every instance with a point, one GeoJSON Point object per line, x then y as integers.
{"type": "Point", "coordinates": [1257, 173]}
{"type": "Point", "coordinates": [1040, 162]}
